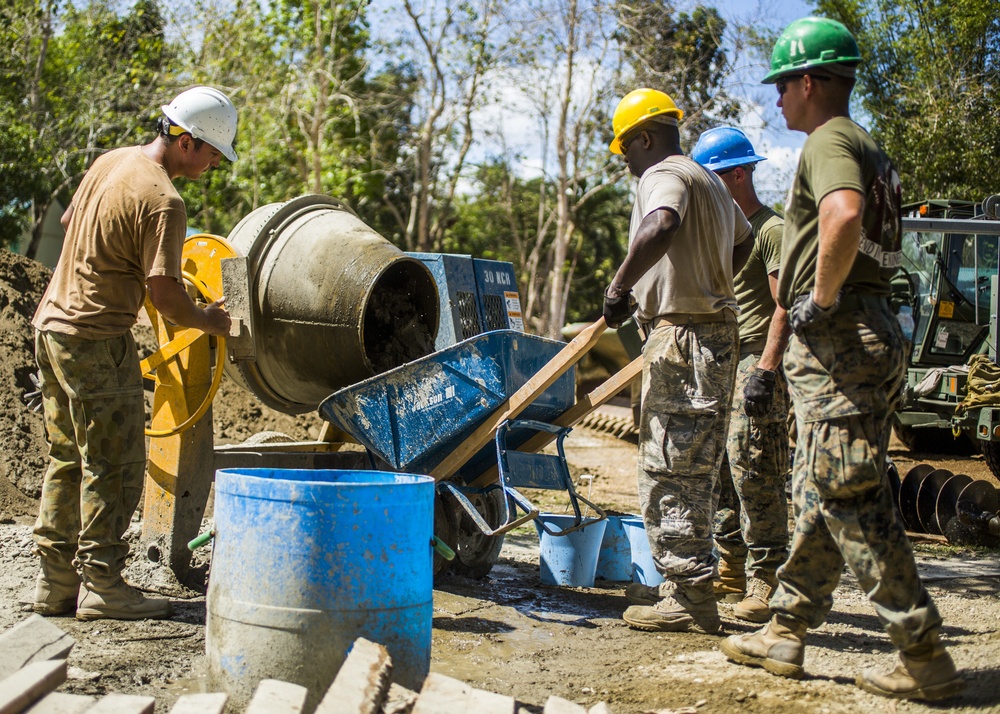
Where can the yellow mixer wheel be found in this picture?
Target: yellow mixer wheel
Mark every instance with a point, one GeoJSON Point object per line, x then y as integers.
{"type": "Point", "coordinates": [201, 263]}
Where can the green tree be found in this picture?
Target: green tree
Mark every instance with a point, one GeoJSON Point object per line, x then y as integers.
{"type": "Point", "coordinates": [71, 95]}
{"type": "Point", "coordinates": [682, 54]}
{"type": "Point", "coordinates": [928, 80]}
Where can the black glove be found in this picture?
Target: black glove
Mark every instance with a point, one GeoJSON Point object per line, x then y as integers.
{"type": "Point", "coordinates": [618, 309]}
{"type": "Point", "coordinates": [758, 395]}
{"type": "Point", "coordinates": [805, 312]}
{"type": "Point", "coordinates": [33, 400]}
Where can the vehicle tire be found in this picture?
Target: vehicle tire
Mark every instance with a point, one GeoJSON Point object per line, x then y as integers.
{"type": "Point", "coordinates": [934, 441]}
{"type": "Point", "coordinates": [991, 454]}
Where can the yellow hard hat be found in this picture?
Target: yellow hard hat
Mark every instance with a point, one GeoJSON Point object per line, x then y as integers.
{"type": "Point", "coordinates": [638, 106]}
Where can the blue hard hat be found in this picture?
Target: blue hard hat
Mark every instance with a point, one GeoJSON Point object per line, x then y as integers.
{"type": "Point", "coordinates": [724, 148]}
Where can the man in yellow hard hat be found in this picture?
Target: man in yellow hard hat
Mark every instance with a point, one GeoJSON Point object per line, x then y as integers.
{"type": "Point", "coordinates": [845, 366]}
{"type": "Point", "coordinates": [685, 236]}
{"type": "Point", "coordinates": [125, 230]}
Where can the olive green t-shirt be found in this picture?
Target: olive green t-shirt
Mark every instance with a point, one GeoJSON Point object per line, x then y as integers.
{"type": "Point", "coordinates": [753, 289]}
{"type": "Point", "coordinates": [128, 223]}
{"type": "Point", "coordinates": [695, 276]}
{"type": "Point", "coordinates": [841, 155]}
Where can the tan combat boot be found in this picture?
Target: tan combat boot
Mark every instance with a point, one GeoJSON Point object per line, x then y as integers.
{"type": "Point", "coordinates": [681, 608]}
{"type": "Point", "coordinates": [732, 581]}
{"type": "Point", "coordinates": [110, 597]}
{"type": "Point", "coordinates": [754, 607]}
{"type": "Point", "coordinates": [639, 594]}
{"type": "Point", "coordinates": [925, 671]}
{"type": "Point", "coordinates": [56, 588]}
{"type": "Point", "coordinates": [779, 647]}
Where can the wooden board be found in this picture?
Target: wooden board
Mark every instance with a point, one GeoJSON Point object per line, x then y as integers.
{"type": "Point", "coordinates": [362, 682]}
{"type": "Point", "coordinates": [62, 703]}
{"type": "Point", "coordinates": [205, 703]}
{"type": "Point", "coordinates": [29, 684]}
{"type": "Point", "coordinates": [444, 695]}
{"type": "Point", "coordinates": [275, 697]}
{"type": "Point", "coordinates": [34, 639]}
{"type": "Point", "coordinates": [124, 704]}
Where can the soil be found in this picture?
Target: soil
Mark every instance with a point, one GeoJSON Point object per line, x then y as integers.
{"type": "Point", "coordinates": [508, 633]}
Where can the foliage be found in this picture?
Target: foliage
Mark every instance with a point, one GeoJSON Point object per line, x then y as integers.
{"type": "Point", "coordinates": [928, 80]}
{"type": "Point", "coordinates": [682, 54]}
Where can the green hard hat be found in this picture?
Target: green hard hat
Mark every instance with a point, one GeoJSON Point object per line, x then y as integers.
{"type": "Point", "coordinates": [812, 42]}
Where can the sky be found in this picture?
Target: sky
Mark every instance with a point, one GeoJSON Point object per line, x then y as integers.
{"type": "Point", "coordinates": [781, 147]}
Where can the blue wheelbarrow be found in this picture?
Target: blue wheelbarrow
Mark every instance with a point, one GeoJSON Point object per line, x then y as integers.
{"type": "Point", "coordinates": [472, 416]}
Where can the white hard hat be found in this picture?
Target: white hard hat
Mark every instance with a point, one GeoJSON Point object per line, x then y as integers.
{"type": "Point", "coordinates": [207, 114]}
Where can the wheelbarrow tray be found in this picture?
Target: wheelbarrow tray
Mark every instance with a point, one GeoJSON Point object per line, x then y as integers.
{"type": "Point", "coordinates": [413, 416]}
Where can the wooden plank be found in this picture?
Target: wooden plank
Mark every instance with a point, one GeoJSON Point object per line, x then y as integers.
{"type": "Point", "coordinates": [600, 708]}
{"type": "Point", "coordinates": [34, 639]}
{"type": "Point", "coordinates": [275, 697]}
{"type": "Point", "coordinates": [399, 700]}
{"type": "Point", "coordinates": [597, 397]}
{"type": "Point", "coordinates": [362, 682]}
{"type": "Point", "coordinates": [558, 705]}
{"type": "Point", "coordinates": [444, 695]}
{"type": "Point", "coordinates": [29, 684]}
{"type": "Point", "coordinates": [123, 704]}
{"type": "Point", "coordinates": [62, 703]}
{"type": "Point", "coordinates": [520, 400]}
{"type": "Point", "coordinates": [203, 703]}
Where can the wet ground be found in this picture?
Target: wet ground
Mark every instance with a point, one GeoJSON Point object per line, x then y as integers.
{"type": "Point", "coordinates": [510, 634]}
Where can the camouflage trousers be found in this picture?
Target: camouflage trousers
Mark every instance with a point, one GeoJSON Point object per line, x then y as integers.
{"type": "Point", "coordinates": [752, 517]}
{"type": "Point", "coordinates": [94, 419]}
{"type": "Point", "coordinates": [844, 375]}
{"type": "Point", "coordinates": [687, 384]}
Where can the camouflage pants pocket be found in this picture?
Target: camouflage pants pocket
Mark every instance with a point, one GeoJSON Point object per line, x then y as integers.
{"type": "Point", "coordinates": [844, 455]}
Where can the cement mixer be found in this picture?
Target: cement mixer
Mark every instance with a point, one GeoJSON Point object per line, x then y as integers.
{"type": "Point", "coordinates": [320, 302]}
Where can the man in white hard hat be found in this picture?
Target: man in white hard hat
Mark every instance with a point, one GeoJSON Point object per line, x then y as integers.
{"type": "Point", "coordinates": [125, 229]}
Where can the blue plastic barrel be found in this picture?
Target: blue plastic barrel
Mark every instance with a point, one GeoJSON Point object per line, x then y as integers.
{"type": "Point", "coordinates": [643, 569]}
{"type": "Point", "coordinates": [614, 563]}
{"type": "Point", "coordinates": [307, 561]}
{"type": "Point", "coordinates": [571, 559]}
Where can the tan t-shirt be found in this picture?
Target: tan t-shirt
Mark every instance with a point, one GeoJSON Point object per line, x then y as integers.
{"type": "Point", "coordinates": [128, 223]}
{"type": "Point", "coordinates": [696, 274]}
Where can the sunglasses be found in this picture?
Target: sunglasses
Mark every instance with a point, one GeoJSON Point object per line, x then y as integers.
{"type": "Point", "coordinates": [625, 143]}
{"type": "Point", "coordinates": [782, 83]}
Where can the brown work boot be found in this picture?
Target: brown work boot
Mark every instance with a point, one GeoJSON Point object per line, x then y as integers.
{"type": "Point", "coordinates": [778, 647]}
{"type": "Point", "coordinates": [56, 588]}
{"type": "Point", "coordinates": [679, 609]}
{"type": "Point", "coordinates": [754, 608]}
{"type": "Point", "coordinates": [732, 580]}
{"type": "Point", "coordinates": [110, 597]}
{"type": "Point", "coordinates": [923, 672]}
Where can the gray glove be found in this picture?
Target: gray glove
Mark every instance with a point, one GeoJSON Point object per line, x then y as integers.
{"type": "Point", "coordinates": [33, 399]}
{"type": "Point", "coordinates": [805, 311]}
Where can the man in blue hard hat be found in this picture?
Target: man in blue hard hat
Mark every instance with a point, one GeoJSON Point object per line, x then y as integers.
{"type": "Point", "coordinates": [845, 366]}
{"type": "Point", "coordinates": [751, 524]}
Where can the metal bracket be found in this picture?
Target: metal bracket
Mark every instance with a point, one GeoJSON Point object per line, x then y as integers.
{"type": "Point", "coordinates": [236, 288]}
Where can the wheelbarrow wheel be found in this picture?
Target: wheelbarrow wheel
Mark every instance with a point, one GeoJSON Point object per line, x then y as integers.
{"type": "Point", "coordinates": [444, 528]}
{"type": "Point", "coordinates": [475, 552]}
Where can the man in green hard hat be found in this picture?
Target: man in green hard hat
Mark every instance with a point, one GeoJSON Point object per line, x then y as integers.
{"type": "Point", "coordinates": [844, 366]}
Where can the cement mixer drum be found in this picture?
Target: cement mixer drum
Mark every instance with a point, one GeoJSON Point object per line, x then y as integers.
{"type": "Point", "coordinates": [323, 302]}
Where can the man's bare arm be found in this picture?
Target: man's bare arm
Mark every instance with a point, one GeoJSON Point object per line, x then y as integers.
{"type": "Point", "coordinates": [651, 243]}
{"type": "Point", "coordinates": [840, 214]}
{"type": "Point", "coordinates": [171, 300]}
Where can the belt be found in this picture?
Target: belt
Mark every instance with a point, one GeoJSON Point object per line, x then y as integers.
{"type": "Point", "coordinates": [681, 318]}
{"type": "Point", "coordinates": [855, 302]}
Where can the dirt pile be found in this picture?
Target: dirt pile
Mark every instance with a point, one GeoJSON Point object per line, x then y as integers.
{"type": "Point", "coordinates": [23, 449]}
